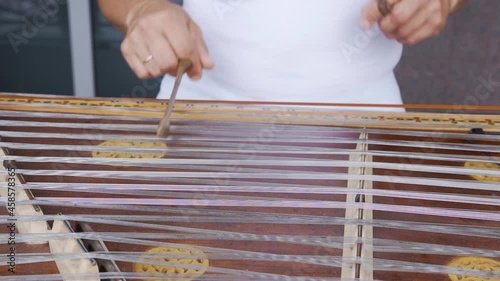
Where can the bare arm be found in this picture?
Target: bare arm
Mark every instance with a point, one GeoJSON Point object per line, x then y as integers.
{"type": "Point", "coordinates": [117, 11]}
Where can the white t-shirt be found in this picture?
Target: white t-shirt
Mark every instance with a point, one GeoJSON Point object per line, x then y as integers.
{"type": "Point", "coordinates": [291, 50]}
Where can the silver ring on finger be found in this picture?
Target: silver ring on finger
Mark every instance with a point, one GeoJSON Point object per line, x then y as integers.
{"type": "Point", "coordinates": [148, 59]}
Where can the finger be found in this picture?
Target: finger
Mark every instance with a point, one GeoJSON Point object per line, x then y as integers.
{"type": "Point", "coordinates": [445, 9]}
{"type": "Point", "coordinates": [139, 39]}
{"type": "Point", "coordinates": [130, 57]}
{"type": "Point", "coordinates": [206, 60]}
{"type": "Point", "coordinates": [445, 13]}
{"type": "Point", "coordinates": [422, 33]}
{"type": "Point", "coordinates": [430, 19]}
{"type": "Point", "coordinates": [402, 12]}
{"type": "Point", "coordinates": [200, 52]}
{"type": "Point", "coordinates": [409, 28]}
{"type": "Point", "coordinates": [138, 67]}
{"type": "Point", "coordinates": [371, 13]}
{"type": "Point", "coordinates": [164, 57]}
{"type": "Point", "coordinates": [184, 46]}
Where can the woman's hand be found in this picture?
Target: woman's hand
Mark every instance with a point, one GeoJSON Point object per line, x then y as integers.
{"type": "Point", "coordinates": [158, 34]}
{"type": "Point", "coordinates": [410, 21]}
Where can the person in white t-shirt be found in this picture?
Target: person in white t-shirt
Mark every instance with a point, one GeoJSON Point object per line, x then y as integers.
{"type": "Point", "coordinates": [331, 51]}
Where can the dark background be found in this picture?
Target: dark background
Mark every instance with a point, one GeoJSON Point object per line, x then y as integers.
{"type": "Point", "coordinates": [449, 69]}
{"type": "Point", "coordinates": [43, 65]}
{"type": "Point", "coordinates": [461, 66]}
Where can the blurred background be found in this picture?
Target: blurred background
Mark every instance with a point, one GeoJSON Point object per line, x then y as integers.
{"type": "Point", "coordinates": [66, 47]}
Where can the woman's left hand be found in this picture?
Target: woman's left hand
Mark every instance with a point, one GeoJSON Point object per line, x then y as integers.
{"type": "Point", "coordinates": [410, 21]}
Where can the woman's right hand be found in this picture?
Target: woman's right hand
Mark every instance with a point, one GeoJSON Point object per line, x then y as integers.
{"type": "Point", "coordinates": [158, 34]}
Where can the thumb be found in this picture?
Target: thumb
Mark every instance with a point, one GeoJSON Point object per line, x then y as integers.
{"type": "Point", "coordinates": [206, 60]}
{"type": "Point", "coordinates": [375, 11]}
{"type": "Point", "coordinates": [370, 14]}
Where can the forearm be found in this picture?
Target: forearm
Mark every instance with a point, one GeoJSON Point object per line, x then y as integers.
{"type": "Point", "coordinates": [118, 12]}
